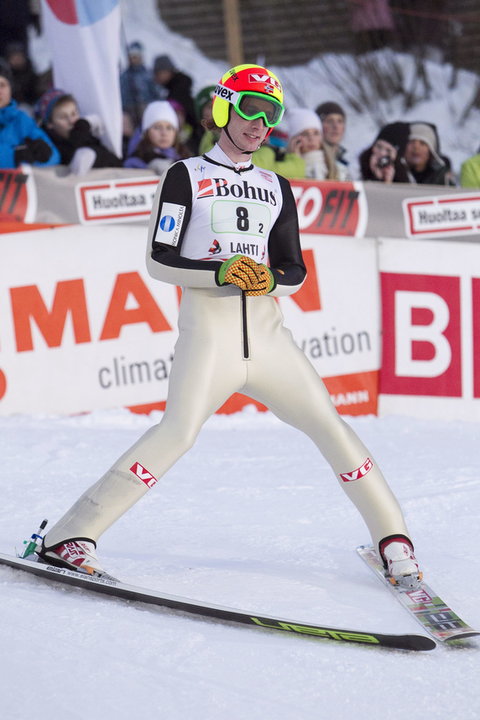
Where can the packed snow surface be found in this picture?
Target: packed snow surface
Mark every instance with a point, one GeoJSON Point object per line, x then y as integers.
{"type": "Point", "coordinates": [252, 518]}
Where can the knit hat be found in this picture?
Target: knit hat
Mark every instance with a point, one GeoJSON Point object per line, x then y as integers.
{"type": "Point", "coordinates": [44, 106]}
{"type": "Point", "coordinates": [300, 119]}
{"type": "Point", "coordinates": [5, 71]}
{"type": "Point", "coordinates": [156, 112]}
{"type": "Point", "coordinates": [163, 62]}
{"type": "Point", "coordinates": [135, 48]}
{"type": "Point", "coordinates": [329, 108]}
{"type": "Point", "coordinates": [396, 134]}
{"type": "Point", "coordinates": [202, 98]}
{"type": "Point", "coordinates": [427, 134]}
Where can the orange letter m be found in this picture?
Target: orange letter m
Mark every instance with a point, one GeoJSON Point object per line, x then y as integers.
{"type": "Point", "coordinates": [28, 306]}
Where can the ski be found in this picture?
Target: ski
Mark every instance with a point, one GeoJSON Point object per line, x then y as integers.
{"type": "Point", "coordinates": [115, 588]}
{"type": "Point", "coordinates": [433, 614]}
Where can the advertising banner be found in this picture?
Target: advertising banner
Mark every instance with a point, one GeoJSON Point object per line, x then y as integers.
{"type": "Point", "coordinates": [82, 325]}
{"type": "Point", "coordinates": [18, 196]}
{"type": "Point", "coordinates": [335, 318]}
{"type": "Point", "coordinates": [336, 209]}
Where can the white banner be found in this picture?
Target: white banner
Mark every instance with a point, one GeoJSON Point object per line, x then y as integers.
{"type": "Point", "coordinates": [84, 327]}
{"type": "Point", "coordinates": [84, 39]}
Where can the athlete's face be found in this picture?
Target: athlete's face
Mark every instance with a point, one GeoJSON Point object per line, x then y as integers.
{"type": "Point", "coordinates": [246, 134]}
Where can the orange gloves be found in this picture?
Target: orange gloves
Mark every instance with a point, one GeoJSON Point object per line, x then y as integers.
{"type": "Point", "coordinates": [251, 277]}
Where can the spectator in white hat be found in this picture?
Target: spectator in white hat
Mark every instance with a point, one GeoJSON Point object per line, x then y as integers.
{"type": "Point", "coordinates": [305, 139]}
{"type": "Point", "coordinates": [158, 146]}
{"type": "Point", "coordinates": [422, 155]}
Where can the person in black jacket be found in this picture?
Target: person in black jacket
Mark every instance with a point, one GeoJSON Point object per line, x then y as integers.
{"type": "Point", "coordinates": [174, 85]}
{"type": "Point", "coordinates": [426, 165]}
{"type": "Point", "coordinates": [73, 135]}
{"type": "Point", "coordinates": [384, 160]}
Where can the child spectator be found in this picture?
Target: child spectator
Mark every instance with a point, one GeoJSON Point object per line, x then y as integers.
{"type": "Point", "coordinates": [73, 135]}
{"type": "Point", "coordinates": [158, 146]}
{"type": "Point", "coordinates": [383, 161]}
{"type": "Point", "coordinates": [422, 154]}
{"type": "Point", "coordinates": [305, 139]}
{"type": "Point", "coordinates": [21, 140]}
{"type": "Point", "coordinates": [332, 117]}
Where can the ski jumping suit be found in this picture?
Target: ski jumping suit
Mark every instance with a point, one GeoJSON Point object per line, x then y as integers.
{"type": "Point", "coordinates": [207, 210]}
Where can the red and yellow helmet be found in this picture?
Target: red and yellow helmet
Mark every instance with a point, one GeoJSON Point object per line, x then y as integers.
{"type": "Point", "coordinates": [253, 91]}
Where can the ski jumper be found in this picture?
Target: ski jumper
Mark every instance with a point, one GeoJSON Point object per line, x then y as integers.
{"type": "Point", "coordinates": [207, 210]}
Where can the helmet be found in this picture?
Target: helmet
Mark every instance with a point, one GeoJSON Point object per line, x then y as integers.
{"type": "Point", "coordinates": [253, 91]}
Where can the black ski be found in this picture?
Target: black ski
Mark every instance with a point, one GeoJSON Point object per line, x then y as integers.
{"type": "Point", "coordinates": [116, 588]}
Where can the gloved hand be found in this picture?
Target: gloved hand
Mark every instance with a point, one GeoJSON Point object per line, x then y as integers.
{"type": "Point", "coordinates": [32, 151]}
{"type": "Point", "coordinates": [238, 270]}
{"type": "Point", "coordinates": [81, 133]}
{"type": "Point", "coordinates": [265, 281]}
{"type": "Point", "coordinates": [40, 149]}
{"type": "Point", "coordinates": [251, 277]}
{"type": "Point", "coordinates": [22, 154]}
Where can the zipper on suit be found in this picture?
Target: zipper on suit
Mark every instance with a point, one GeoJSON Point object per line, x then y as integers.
{"type": "Point", "coordinates": [246, 349]}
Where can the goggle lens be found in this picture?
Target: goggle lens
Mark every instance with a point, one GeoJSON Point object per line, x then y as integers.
{"type": "Point", "coordinates": [251, 106]}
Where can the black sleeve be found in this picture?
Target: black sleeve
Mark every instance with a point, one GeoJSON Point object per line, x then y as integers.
{"type": "Point", "coordinates": [164, 261]}
{"type": "Point", "coordinates": [284, 251]}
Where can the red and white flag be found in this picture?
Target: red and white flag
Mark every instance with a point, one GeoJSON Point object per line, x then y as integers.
{"type": "Point", "coordinates": [84, 39]}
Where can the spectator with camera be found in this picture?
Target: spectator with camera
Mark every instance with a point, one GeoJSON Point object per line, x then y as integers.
{"type": "Point", "coordinates": [21, 140]}
{"type": "Point", "coordinates": [384, 160]}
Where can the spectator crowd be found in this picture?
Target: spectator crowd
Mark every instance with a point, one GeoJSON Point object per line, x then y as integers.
{"type": "Point", "coordinates": [163, 121]}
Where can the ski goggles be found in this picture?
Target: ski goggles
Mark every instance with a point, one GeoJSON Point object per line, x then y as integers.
{"type": "Point", "coordinates": [252, 105]}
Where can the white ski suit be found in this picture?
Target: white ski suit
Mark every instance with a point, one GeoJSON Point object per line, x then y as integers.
{"type": "Point", "coordinates": [205, 211]}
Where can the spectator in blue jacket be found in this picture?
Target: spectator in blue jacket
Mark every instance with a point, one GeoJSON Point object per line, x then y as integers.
{"type": "Point", "coordinates": [21, 140]}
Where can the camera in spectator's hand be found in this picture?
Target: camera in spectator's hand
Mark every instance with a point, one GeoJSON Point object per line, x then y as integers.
{"type": "Point", "coordinates": [384, 161]}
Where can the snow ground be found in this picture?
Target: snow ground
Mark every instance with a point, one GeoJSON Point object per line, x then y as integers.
{"type": "Point", "coordinates": [251, 518]}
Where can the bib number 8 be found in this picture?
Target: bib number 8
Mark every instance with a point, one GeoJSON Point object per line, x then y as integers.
{"type": "Point", "coordinates": [250, 218]}
{"type": "Point", "coordinates": [242, 219]}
